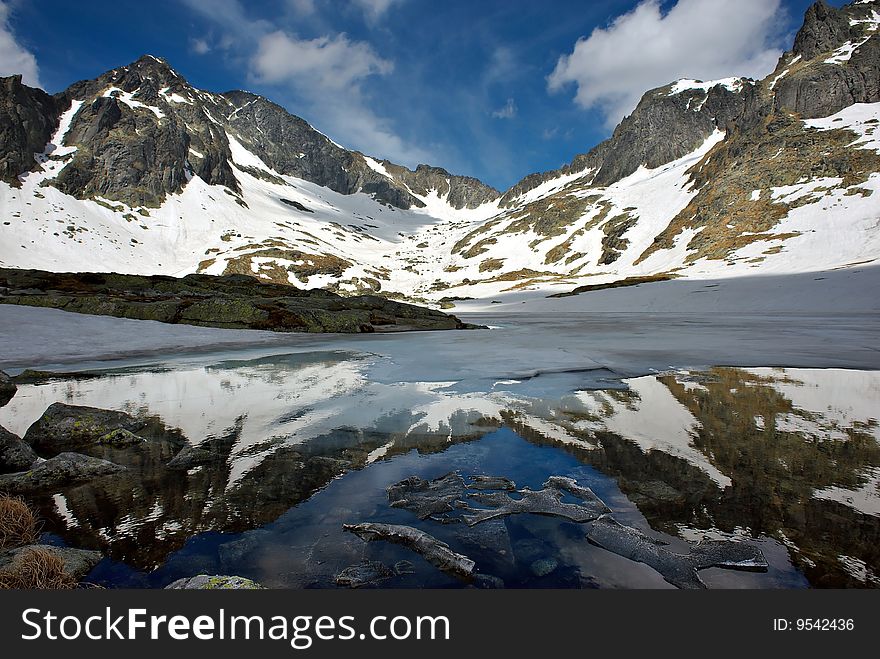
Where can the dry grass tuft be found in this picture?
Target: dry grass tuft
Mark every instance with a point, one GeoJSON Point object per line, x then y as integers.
{"type": "Point", "coordinates": [18, 523]}
{"type": "Point", "coordinates": [37, 569]}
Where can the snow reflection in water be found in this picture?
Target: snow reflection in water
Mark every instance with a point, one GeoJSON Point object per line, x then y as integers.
{"type": "Point", "coordinates": [787, 457]}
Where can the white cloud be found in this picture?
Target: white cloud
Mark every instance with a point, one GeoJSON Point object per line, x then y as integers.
{"type": "Point", "coordinates": [330, 63]}
{"type": "Point", "coordinates": [375, 9]}
{"type": "Point", "coordinates": [15, 58]}
{"type": "Point", "coordinates": [647, 48]}
{"type": "Point", "coordinates": [327, 73]}
{"type": "Point", "coordinates": [507, 111]}
{"type": "Point", "coordinates": [200, 46]}
{"type": "Point", "coordinates": [303, 7]}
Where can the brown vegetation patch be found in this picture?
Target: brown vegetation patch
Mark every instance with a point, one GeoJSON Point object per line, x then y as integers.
{"type": "Point", "coordinates": [37, 569]}
{"type": "Point", "coordinates": [780, 152]}
{"type": "Point", "coordinates": [18, 523]}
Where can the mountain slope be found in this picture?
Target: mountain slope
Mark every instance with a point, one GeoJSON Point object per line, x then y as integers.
{"type": "Point", "coordinates": [137, 171]}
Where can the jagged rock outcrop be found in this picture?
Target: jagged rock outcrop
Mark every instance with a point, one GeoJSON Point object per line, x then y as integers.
{"type": "Point", "coordinates": [668, 123]}
{"type": "Point", "coordinates": [825, 29]}
{"type": "Point", "coordinates": [28, 118]}
{"type": "Point", "coordinates": [824, 81]}
{"type": "Point", "coordinates": [141, 132]}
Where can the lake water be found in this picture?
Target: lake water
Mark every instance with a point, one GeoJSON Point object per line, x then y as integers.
{"type": "Point", "coordinates": [309, 431]}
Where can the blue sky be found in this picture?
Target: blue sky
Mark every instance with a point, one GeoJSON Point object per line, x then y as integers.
{"type": "Point", "coordinates": [493, 89]}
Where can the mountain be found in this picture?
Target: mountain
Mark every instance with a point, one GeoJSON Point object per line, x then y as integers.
{"type": "Point", "coordinates": [139, 172]}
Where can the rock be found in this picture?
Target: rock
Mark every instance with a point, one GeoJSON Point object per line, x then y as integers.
{"type": "Point", "coordinates": [7, 388]}
{"type": "Point", "coordinates": [543, 566]}
{"type": "Point", "coordinates": [491, 483]}
{"type": "Point", "coordinates": [825, 29]}
{"type": "Point", "coordinates": [490, 538]}
{"type": "Point", "coordinates": [28, 117]}
{"type": "Point", "coordinates": [427, 499]}
{"type": "Point", "coordinates": [64, 427]}
{"type": "Point", "coordinates": [120, 438]}
{"type": "Point", "coordinates": [366, 573]}
{"type": "Point", "coordinates": [77, 562]}
{"type": "Point", "coordinates": [15, 455]}
{"type": "Point", "coordinates": [542, 502]}
{"type": "Point", "coordinates": [234, 301]}
{"type": "Point", "coordinates": [193, 456]}
{"type": "Point", "coordinates": [62, 470]}
{"type": "Point", "coordinates": [215, 582]}
{"type": "Point", "coordinates": [127, 153]}
{"type": "Point", "coordinates": [678, 569]}
{"type": "Point", "coordinates": [434, 551]}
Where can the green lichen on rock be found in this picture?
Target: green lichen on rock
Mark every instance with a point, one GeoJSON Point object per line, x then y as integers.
{"type": "Point", "coordinates": [233, 302]}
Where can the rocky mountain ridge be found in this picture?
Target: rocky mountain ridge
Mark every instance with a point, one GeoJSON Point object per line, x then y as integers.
{"type": "Point", "coordinates": [148, 175]}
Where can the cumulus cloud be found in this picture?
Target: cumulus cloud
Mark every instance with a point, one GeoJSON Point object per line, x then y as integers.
{"type": "Point", "coordinates": [328, 76]}
{"type": "Point", "coordinates": [328, 73]}
{"type": "Point", "coordinates": [15, 58]}
{"type": "Point", "coordinates": [647, 48]}
{"type": "Point", "coordinates": [507, 111]}
{"type": "Point", "coordinates": [331, 63]}
{"type": "Point", "coordinates": [374, 9]}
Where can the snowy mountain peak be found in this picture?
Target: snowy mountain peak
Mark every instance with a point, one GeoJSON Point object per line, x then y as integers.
{"type": "Point", "coordinates": [138, 171]}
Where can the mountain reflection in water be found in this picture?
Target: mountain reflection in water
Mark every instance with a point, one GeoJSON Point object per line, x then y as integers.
{"type": "Point", "coordinates": [304, 443]}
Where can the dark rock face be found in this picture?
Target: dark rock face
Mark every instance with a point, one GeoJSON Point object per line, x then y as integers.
{"type": "Point", "coordinates": [62, 470]}
{"type": "Point", "coordinates": [232, 301]}
{"type": "Point", "coordinates": [77, 562]}
{"type": "Point", "coordinates": [28, 117]}
{"type": "Point", "coordinates": [63, 427]}
{"type": "Point", "coordinates": [15, 455]}
{"type": "Point", "coordinates": [665, 126]}
{"type": "Point", "coordinates": [823, 89]}
{"type": "Point", "coordinates": [825, 29]}
{"type": "Point", "coordinates": [291, 146]}
{"type": "Point", "coordinates": [142, 131]}
{"type": "Point", "coordinates": [7, 388]}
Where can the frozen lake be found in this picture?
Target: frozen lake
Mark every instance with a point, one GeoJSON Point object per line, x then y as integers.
{"type": "Point", "coordinates": [756, 428]}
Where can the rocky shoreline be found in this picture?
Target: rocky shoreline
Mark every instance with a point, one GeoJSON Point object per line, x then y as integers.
{"type": "Point", "coordinates": [230, 302]}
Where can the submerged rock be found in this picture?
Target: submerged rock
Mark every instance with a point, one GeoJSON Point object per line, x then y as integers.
{"type": "Point", "coordinates": [427, 499]}
{"type": "Point", "coordinates": [543, 566]}
{"type": "Point", "coordinates": [77, 562]}
{"type": "Point", "coordinates": [678, 569]}
{"type": "Point", "coordinates": [15, 454]}
{"type": "Point", "coordinates": [60, 471]}
{"type": "Point", "coordinates": [7, 388]}
{"type": "Point", "coordinates": [492, 483]}
{"type": "Point", "coordinates": [63, 427]}
{"type": "Point", "coordinates": [541, 502]}
{"type": "Point", "coordinates": [434, 551]}
{"type": "Point", "coordinates": [213, 582]}
{"type": "Point", "coordinates": [365, 573]}
{"type": "Point", "coordinates": [211, 451]}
